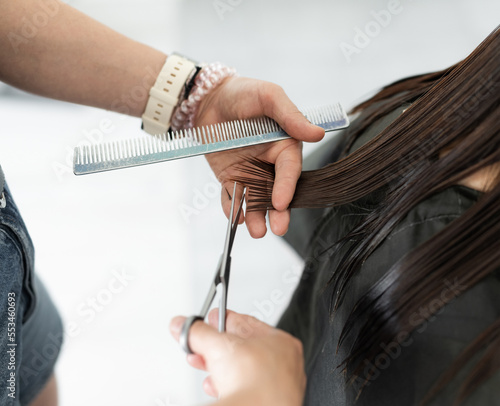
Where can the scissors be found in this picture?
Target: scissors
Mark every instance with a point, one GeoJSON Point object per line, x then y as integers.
{"type": "Point", "coordinates": [221, 278]}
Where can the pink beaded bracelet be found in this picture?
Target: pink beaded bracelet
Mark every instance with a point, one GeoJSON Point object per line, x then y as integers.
{"type": "Point", "coordinates": [208, 78]}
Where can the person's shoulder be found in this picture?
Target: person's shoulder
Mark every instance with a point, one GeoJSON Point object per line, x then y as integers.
{"type": "Point", "coordinates": [437, 211]}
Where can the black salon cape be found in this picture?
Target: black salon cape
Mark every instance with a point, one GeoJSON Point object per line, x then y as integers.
{"type": "Point", "coordinates": [405, 373]}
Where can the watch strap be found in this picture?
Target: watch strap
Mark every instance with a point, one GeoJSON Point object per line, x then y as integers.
{"type": "Point", "coordinates": [165, 93]}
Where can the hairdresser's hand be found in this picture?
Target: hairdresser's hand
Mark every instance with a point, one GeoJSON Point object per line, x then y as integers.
{"type": "Point", "coordinates": [239, 98]}
{"type": "Point", "coordinates": [252, 363]}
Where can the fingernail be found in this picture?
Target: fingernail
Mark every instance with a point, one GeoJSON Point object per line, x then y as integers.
{"type": "Point", "coordinates": [176, 324]}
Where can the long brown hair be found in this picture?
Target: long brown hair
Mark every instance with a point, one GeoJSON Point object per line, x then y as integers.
{"type": "Point", "coordinates": [456, 110]}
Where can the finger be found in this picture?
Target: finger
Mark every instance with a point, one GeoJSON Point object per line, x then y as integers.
{"type": "Point", "coordinates": [202, 337]}
{"type": "Point", "coordinates": [288, 168]}
{"type": "Point", "coordinates": [256, 223]}
{"type": "Point", "coordinates": [209, 387]}
{"type": "Point", "coordinates": [196, 361]}
{"type": "Point", "coordinates": [279, 107]}
{"type": "Point", "coordinates": [227, 198]}
{"type": "Point", "coordinates": [240, 325]}
{"type": "Point", "coordinates": [279, 221]}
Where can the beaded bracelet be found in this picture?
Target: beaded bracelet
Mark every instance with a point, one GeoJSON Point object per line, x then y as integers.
{"type": "Point", "coordinates": [206, 80]}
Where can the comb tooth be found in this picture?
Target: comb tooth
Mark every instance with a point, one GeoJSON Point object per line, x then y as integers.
{"type": "Point", "coordinates": [192, 137]}
{"type": "Point", "coordinates": [178, 137]}
{"type": "Point", "coordinates": [203, 135]}
{"type": "Point", "coordinates": [86, 156]}
{"type": "Point", "coordinates": [198, 135]}
{"type": "Point", "coordinates": [212, 134]}
{"type": "Point", "coordinates": [241, 131]}
{"type": "Point", "coordinates": [123, 149]}
{"type": "Point", "coordinates": [223, 132]}
{"type": "Point", "coordinates": [194, 132]}
{"type": "Point", "coordinates": [152, 144]}
{"type": "Point", "coordinates": [102, 153]}
{"type": "Point", "coordinates": [254, 129]}
{"type": "Point", "coordinates": [152, 148]}
{"type": "Point", "coordinates": [171, 142]}
{"type": "Point", "coordinates": [133, 148]}
{"type": "Point", "coordinates": [185, 139]}
{"type": "Point", "coordinates": [271, 125]}
{"type": "Point", "coordinates": [261, 126]}
{"type": "Point", "coordinates": [118, 151]}
{"type": "Point", "coordinates": [182, 139]}
{"type": "Point", "coordinates": [233, 130]}
{"type": "Point", "coordinates": [174, 141]}
{"type": "Point", "coordinates": [105, 150]}
{"type": "Point", "coordinates": [218, 132]}
{"type": "Point", "coordinates": [127, 149]}
{"type": "Point", "coordinates": [137, 147]}
{"type": "Point", "coordinates": [163, 140]}
{"type": "Point", "coordinates": [93, 154]}
{"type": "Point", "coordinates": [244, 128]}
{"type": "Point", "coordinates": [275, 126]}
{"type": "Point", "coordinates": [265, 124]}
{"type": "Point", "coordinates": [223, 135]}
{"type": "Point", "coordinates": [130, 148]}
{"type": "Point", "coordinates": [157, 144]}
{"type": "Point", "coordinates": [167, 140]}
{"type": "Point", "coordinates": [229, 133]}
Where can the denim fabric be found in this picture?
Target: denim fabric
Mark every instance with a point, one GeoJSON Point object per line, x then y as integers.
{"type": "Point", "coordinates": [27, 316]}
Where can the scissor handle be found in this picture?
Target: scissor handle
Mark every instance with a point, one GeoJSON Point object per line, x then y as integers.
{"type": "Point", "coordinates": [184, 338]}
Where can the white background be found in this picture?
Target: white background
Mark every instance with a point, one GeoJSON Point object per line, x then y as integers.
{"type": "Point", "coordinates": [87, 228]}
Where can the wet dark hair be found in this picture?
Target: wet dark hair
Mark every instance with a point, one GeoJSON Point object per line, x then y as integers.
{"type": "Point", "coordinates": [456, 110]}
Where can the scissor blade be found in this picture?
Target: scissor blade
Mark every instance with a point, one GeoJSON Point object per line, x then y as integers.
{"type": "Point", "coordinates": [236, 220]}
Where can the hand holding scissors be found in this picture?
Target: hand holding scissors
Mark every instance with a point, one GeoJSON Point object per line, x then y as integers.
{"type": "Point", "coordinates": [221, 278]}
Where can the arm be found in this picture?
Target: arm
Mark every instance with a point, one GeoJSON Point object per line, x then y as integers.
{"type": "Point", "coordinates": [251, 364]}
{"type": "Point", "coordinates": [74, 58]}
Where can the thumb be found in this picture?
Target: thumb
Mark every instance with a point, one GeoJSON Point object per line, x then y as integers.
{"type": "Point", "coordinates": [280, 108]}
{"type": "Point", "coordinates": [203, 339]}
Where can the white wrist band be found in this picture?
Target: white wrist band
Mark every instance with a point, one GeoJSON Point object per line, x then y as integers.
{"type": "Point", "coordinates": [164, 95]}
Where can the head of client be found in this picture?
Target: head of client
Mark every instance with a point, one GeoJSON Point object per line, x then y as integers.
{"type": "Point", "coordinates": [400, 299]}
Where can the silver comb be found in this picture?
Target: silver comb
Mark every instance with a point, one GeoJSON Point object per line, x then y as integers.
{"type": "Point", "coordinates": [196, 141]}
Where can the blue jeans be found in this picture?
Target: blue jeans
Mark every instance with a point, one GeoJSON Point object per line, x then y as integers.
{"type": "Point", "coordinates": [30, 328]}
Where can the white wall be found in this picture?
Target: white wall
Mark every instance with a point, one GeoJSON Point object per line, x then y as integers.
{"type": "Point", "coordinates": [87, 228]}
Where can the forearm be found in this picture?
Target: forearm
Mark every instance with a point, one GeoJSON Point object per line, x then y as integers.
{"type": "Point", "coordinates": [74, 58]}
